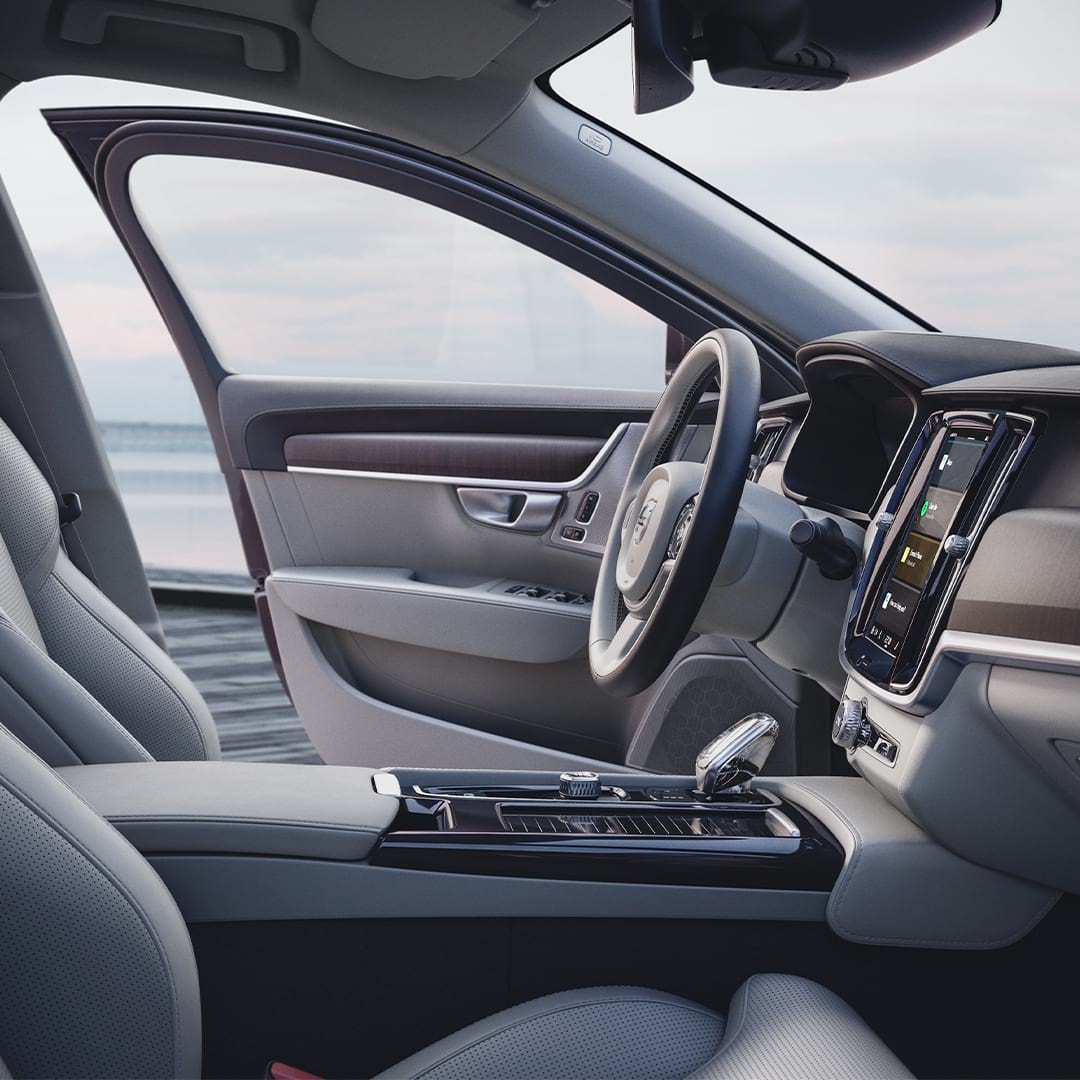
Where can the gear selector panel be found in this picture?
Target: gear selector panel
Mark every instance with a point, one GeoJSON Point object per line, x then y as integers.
{"type": "Point", "coordinates": [602, 827]}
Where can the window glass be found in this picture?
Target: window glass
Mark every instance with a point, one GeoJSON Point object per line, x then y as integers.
{"type": "Point", "coordinates": [299, 273]}
{"type": "Point", "coordinates": [149, 417]}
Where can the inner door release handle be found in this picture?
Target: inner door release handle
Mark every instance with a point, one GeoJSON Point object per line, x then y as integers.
{"type": "Point", "coordinates": [525, 511]}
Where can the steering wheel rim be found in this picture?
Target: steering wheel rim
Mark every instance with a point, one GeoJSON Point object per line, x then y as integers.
{"type": "Point", "coordinates": [652, 582]}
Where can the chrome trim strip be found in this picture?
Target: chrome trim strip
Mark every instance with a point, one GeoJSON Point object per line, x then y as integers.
{"type": "Point", "coordinates": [472, 481]}
{"type": "Point", "coordinates": [783, 825]}
{"type": "Point", "coordinates": [780, 424]}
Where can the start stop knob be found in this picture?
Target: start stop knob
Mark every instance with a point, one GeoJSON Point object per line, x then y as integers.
{"type": "Point", "coordinates": [850, 727]}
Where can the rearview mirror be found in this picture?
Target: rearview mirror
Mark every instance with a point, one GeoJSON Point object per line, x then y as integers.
{"type": "Point", "coordinates": [662, 64]}
{"type": "Point", "coordinates": [789, 44]}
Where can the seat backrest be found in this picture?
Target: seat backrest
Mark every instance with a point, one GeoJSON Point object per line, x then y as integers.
{"type": "Point", "coordinates": [81, 683]}
{"type": "Point", "coordinates": [97, 973]}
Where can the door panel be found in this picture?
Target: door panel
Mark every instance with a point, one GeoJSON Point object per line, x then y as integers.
{"type": "Point", "coordinates": [428, 549]}
{"type": "Point", "coordinates": [411, 625]}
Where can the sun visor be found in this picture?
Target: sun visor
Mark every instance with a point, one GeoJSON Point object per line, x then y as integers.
{"type": "Point", "coordinates": [421, 39]}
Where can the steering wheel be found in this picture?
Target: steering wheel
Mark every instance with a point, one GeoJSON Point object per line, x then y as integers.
{"type": "Point", "coordinates": [675, 518]}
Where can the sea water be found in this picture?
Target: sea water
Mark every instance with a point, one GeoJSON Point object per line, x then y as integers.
{"type": "Point", "coordinates": [176, 500]}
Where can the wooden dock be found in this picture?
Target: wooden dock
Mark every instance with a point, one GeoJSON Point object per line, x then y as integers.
{"type": "Point", "coordinates": [223, 652]}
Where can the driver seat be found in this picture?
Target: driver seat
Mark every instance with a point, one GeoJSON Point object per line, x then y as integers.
{"type": "Point", "coordinates": [98, 979]}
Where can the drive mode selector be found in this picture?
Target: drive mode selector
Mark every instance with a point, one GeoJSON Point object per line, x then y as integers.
{"type": "Point", "coordinates": [850, 727]}
{"type": "Point", "coordinates": [579, 785]}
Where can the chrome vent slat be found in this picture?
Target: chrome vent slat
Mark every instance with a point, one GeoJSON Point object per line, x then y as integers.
{"type": "Point", "coordinates": [770, 434]}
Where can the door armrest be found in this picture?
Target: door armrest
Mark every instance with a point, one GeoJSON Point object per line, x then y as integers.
{"type": "Point", "coordinates": [483, 619]}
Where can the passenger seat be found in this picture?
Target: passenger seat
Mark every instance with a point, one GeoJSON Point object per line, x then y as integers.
{"type": "Point", "coordinates": [99, 980]}
{"type": "Point", "coordinates": [80, 683]}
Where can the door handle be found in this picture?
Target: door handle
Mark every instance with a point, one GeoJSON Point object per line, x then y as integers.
{"type": "Point", "coordinates": [525, 511]}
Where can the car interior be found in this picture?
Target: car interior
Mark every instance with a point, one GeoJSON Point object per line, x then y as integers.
{"type": "Point", "coordinates": [722, 727]}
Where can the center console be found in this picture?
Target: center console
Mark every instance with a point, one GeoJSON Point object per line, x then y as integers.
{"type": "Point", "coordinates": [239, 842]}
{"type": "Point", "coordinates": [630, 828]}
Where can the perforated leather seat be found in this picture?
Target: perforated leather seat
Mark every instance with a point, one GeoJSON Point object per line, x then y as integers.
{"type": "Point", "coordinates": [98, 979]}
{"type": "Point", "coordinates": [779, 1027]}
{"type": "Point", "coordinates": [98, 975]}
{"type": "Point", "coordinates": [79, 681]}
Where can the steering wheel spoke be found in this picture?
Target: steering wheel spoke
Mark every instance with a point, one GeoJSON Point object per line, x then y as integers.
{"type": "Point", "coordinates": [642, 608]}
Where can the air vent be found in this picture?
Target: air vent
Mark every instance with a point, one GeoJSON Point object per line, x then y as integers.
{"type": "Point", "coordinates": [770, 434]}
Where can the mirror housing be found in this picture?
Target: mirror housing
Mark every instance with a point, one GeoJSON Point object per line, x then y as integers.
{"type": "Point", "coordinates": [789, 44]}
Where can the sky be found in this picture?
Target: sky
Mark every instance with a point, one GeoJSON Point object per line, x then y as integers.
{"type": "Point", "coordinates": [952, 186]}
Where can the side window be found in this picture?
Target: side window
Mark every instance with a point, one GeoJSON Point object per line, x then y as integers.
{"type": "Point", "coordinates": [300, 273]}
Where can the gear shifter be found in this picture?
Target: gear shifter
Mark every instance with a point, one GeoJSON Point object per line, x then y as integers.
{"type": "Point", "coordinates": [736, 756]}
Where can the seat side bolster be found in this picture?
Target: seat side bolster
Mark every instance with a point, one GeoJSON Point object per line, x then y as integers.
{"type": "Point", "coordinates": [99, 977]}
{"type": "Point", "coordinates": [52, 714]}
{"type": "Point", "coordinates": [115, 660]}
{"type": "Point", "coordinates": [781, 1027]}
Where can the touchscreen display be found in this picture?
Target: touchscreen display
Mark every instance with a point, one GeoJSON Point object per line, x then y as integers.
{"type": "Point", "coordinates": [930, 524]}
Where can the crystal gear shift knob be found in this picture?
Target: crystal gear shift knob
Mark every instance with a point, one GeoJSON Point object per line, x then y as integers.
{"type": "Point", "coordinates": [736, 756]}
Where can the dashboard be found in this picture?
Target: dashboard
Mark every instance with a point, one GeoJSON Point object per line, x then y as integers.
{"type": "Point", "coordinates": [959, 459]}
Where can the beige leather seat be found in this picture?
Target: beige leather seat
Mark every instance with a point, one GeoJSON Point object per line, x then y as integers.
{"type": "Point", "coordinates": [778, 1026]}
{"type": "Point", "coordinates": [98, 979]}
{"type": "Point", "coordinates": [80, 683]}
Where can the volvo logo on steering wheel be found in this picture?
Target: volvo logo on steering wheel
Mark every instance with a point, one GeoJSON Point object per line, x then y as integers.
{"type": "Point", "coordinates": [643, 520]}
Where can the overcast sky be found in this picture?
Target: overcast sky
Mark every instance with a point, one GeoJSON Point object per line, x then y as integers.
{"type": "Point", "coordinates": [952, 186]}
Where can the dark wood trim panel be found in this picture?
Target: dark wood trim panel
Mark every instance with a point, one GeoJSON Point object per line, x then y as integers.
{"type": "Point", "coordinates": [1022, 581]}
{"type": "Point", "coordinates": [538, 458]}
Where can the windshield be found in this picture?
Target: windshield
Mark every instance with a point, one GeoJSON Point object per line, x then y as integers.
{"type": "Point", "coordinates": [951, 186]}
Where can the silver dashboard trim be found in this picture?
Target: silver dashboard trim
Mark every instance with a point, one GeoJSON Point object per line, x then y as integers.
{"type": "Point", "coordinates": [578, 481]}
{"type": "Point", "coordinates": [782, 823]}
{"type": "Point", "coordinates": [781, 424]}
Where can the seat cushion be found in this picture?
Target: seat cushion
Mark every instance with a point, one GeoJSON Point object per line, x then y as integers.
{"type": "Point", "coordinates": [621, 1031]}
{"type": "Point", "coordinates": [780, 1028]}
